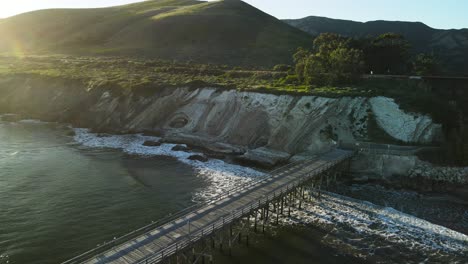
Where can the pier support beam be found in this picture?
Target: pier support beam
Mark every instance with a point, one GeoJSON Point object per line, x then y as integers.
{"type": "Point", "coordinates": [255, 223]}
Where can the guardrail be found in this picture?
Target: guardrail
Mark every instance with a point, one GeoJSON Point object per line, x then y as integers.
{"type": "Point", "coordinates": [194, 237]}
{"type": "Point", "coordinates": [172, 217]}
{"type": "Point", "coordinates": [414, 77]}
{"type": "Point", "coordinates": [385, 149]}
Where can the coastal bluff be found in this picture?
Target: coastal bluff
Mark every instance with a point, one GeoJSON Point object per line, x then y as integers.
{"type": "Point", "coordinates": [262, 128]}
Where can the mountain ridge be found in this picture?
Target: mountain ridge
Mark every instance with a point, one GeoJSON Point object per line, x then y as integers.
{"type": "Point", "coordinates": [223, 32]}
{"type": "Point", "coordinates": [369, 21]}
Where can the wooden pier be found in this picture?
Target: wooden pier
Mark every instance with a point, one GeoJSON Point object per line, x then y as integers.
{"type": "Point", "coordinates": [190, 235]}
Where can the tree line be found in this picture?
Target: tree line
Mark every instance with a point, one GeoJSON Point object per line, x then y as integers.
{"type": "Point", "coordinates": [335, 59]}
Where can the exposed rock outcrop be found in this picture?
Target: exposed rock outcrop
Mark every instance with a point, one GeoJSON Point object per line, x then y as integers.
{"type": "Point", "coordinates": [264, 128]}
{"type": "Point", "coordinates": [265, 156]}
{"type": "Point", "coordinates": [407, 127]}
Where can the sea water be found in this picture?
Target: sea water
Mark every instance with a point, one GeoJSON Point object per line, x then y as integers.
{"type": "Point", "coordinates": [63, 193]}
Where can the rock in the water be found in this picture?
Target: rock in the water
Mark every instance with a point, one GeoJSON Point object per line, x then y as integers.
{"type": "Point", "coordinates": [198, 157]}
{"type": "Point", "coordinates": [206, 142]}
{"type": "Point", "coordinates": [361, 179]}
{"type": "Point", "coordinates": [180, 148]}
{"type": "Point", "coordinates": [265, 157]}
{"type": "Point", "coordinates": [150, 143]}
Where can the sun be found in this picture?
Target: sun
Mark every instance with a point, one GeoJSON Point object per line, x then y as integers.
{"type": "Point", "coordinates": [10, 8]}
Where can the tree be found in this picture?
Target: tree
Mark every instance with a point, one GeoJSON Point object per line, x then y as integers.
{"type": "Point", "coordinates": [388, 54]}
{"type": "Point", "coordinates": [347, 64]}
{"type": "Point", "coordinates": [425, 64]}
{"type": "Point", "coordinates": [300, 58]}
{"type": "Point", "coordinates": [332, 62]}
{"type": "Point", "coordinates": [327, 42]}
{"type": "Point", "coordinates": [300, 54]}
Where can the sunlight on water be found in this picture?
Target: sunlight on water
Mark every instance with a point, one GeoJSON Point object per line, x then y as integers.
{"type": "Point", "coordinates": [59, 198]}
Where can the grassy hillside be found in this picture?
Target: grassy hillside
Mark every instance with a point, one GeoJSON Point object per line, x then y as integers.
{"type": "Point", "coordinates": [451, 46]}
{"type": "Point", "coordinates": [228, 32]}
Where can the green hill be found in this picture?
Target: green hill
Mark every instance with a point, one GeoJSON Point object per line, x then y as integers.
{"type": "Point", "coordinates": [451, 46]}
{"type": "Point", "coordinates": [227, 32]}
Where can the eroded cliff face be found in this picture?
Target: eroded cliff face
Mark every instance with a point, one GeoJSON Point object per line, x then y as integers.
{"type": "Point", "coordinates": [266, 128]}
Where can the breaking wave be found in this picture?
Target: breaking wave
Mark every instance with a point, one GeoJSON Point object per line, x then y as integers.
{"type": "Point", "coordinates": [366, 230]}
{"type": "Point", "coordinates": [221, 175]}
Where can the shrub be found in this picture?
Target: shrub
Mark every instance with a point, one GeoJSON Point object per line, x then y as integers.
{"type": "Point", "coordinates": [290, 79]}
{"type": "Point", "coordinates": [282, 67]}
{"type": "Point", "coordinates": [239, 74]}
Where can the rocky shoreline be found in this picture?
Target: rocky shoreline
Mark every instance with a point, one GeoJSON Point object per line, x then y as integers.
{"type": "Point", "coordinates": [410, 173]}
{"type": "Point", "coordinates": [265, 129]}
{"type": "Point", "coordinates": [419, 176]}
{"type": "Point", "coordinates": [441, 208]}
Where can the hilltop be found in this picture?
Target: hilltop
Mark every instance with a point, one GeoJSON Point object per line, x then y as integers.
{"type": "Point", "coordinates": [223, 32]}
{"type": "Point", "coordinates": [451, 46]}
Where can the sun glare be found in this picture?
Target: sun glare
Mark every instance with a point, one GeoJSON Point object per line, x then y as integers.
{"type": "Point", "coordinates": [10, 8]}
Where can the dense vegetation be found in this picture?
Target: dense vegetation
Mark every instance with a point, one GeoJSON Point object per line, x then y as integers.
{"type": "Point", "coordinates": [128, 73]}
{"type": "Point", "coordinates": [223, 32]}
{"type": "Point", "coordinates": [386, 54]}
{"type": "Point", "coordinates": [450, 47]}
{"type": "Point", "coordinates": [333, 61]}
{"type": "Point", "coordinates": [338, 60]}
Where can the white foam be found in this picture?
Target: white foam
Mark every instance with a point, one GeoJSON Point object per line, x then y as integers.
{"type": "Point", "coordinates": [221, 175]}
{"type": "Point", "coordinates": [4, 259]}
{"type": "Point", "coordinates": [369, 221]}
{"type": "Point", "coordinates": [32, 121]}
{"type": "Point", "coordinates": [23, 121]}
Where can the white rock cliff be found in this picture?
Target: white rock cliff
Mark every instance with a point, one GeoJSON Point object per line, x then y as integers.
{"type": "Point", "coordinates": [264, 127]}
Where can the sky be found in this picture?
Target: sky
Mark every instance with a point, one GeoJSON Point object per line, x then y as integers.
{"type": "Point", "coordinates": [443, 14]}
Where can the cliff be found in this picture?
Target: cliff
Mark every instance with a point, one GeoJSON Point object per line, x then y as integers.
{"type": "Point", "coordinates": [263, 128]}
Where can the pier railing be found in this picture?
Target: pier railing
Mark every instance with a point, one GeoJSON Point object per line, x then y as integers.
{"type": "Point", "coordinates": [229, 218]}
{"type": "Point", "coordinates": [385, 149]}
